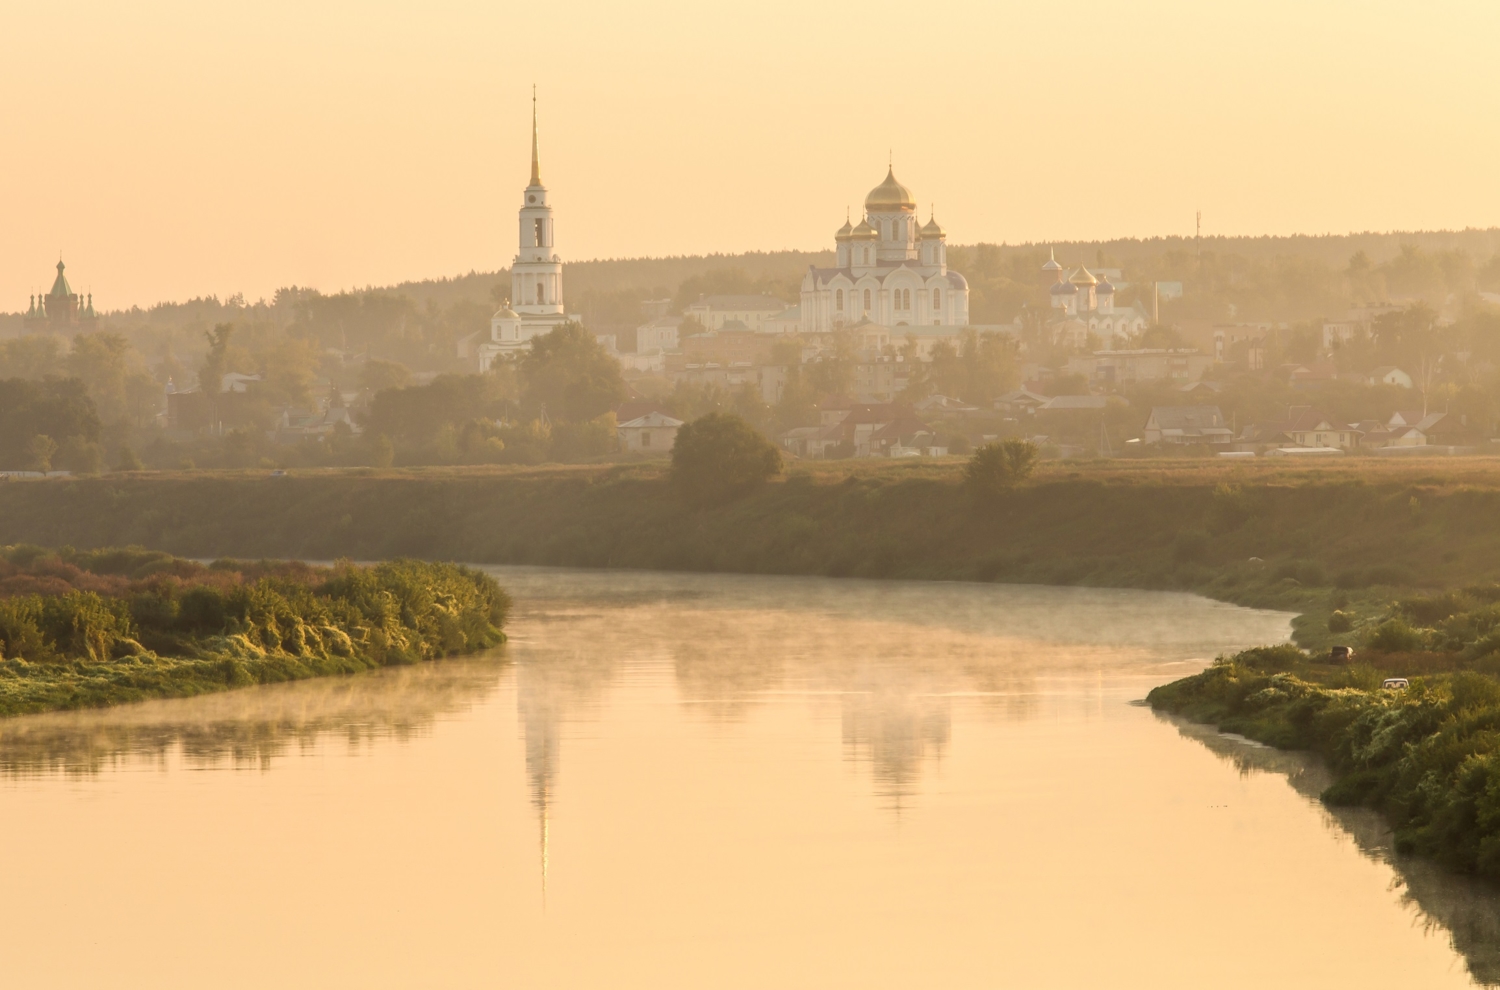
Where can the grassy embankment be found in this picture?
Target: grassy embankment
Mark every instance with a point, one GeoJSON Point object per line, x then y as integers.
{"type": "Point", "coordinates": [1427, 757]}
{"type": "Point", "coordinates": [85, 629]}
{"type": "Point", "coordinates": [1344, 536]}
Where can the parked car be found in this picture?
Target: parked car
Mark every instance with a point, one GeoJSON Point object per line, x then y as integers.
{"type": "Point", "coordinates": [1396, 683]}
{"type": "Point", "coordinates": [1341, 654]}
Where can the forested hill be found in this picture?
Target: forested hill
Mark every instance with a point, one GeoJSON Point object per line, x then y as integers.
{"type": "Point", "coordinates": [1273, 278]}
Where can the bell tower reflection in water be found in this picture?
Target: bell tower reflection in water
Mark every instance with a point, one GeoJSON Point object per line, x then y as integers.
{"type": "Point", "coordinates": [550, 690]}
{"type": "Point", "coordinates": [535, 706]}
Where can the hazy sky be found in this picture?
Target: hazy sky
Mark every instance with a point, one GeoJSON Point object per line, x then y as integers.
{"type": "Point", "coordinates": [173, 149]}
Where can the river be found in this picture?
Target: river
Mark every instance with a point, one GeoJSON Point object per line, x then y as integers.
{"type": "Point", "coordinates": [692, 781]}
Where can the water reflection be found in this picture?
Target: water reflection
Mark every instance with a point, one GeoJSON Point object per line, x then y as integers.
{"type": "Point", "coordinates": [892, 656]}
{"type": "Point", "coordinates": [1466, 908]}
{"type": "Point", "coordinates": [897, 733]}
{"type": "Point", "coordinates": [553, 687]}
{"type": "Point", "coordinates": [250, 727]}
{"type": "Point", "coordinates": [714, 781]}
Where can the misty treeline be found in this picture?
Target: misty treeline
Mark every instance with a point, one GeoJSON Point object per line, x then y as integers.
{"type": "Point", "coordinates": [311, 351]}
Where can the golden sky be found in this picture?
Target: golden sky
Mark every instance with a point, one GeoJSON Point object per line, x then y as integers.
{"type": "Point", "coordinates": [172, 149]}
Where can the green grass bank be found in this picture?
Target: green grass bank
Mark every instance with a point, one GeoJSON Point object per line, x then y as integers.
{"type": "Point", "coordinates": [1428, 757]}
{"type": "Point", "coordinates": [86, 629]}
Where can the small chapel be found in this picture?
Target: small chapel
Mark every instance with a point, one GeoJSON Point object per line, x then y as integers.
{"type": "Point", "coordinates": [62, 309]}
{"type": "Point", "coordinates": [1085, 305]}
{"type": "Point", "coordinates": [892, 269]}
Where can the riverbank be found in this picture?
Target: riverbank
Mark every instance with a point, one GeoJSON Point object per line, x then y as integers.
{"type": "Point", "coordinates": [1428, 758]}
{"type": "Point", "coordinates": [82, 629]}
{"type": "Point", "coordinates": [1306, 538]}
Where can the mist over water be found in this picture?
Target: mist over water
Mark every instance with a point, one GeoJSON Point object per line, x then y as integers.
{"type": "Point", "coordinates": [700, 780]}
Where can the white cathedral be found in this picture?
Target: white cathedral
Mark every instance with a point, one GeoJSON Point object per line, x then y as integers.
{"type": "Point", "coordinates": [535, 306]}
{"type": "Point", "coordinates": [1086, 308]}
{"type": "Point", "coordinates": [892, 269]}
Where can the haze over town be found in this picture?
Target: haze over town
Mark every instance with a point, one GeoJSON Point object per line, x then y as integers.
{"type": "Point", "coordinates": [817, 495]}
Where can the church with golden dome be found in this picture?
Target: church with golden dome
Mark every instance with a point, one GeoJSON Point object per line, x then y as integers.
{"type": "Point", "coordinates": [892, 270]}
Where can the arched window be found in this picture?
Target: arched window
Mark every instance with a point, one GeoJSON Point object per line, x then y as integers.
{"type": "Point", "coordinates": [906, 302]}
{"type": "Point", "coordinates": [541, 232]}
{"type": "Point", "coordinates": [838, 299]}
{"type": "Point", "coordinates": [539, 296]}
{"type": "Point", "coordinates": [867, 300]}
{"type": "Point", "coordinates": [937, 298]}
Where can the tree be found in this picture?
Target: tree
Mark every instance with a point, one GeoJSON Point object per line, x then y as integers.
{"type": "Point", "coordinates": [377, 374]}
{"type": "Point", "coordinates": [58, 410]}
{"type": "Point", "coordinates": [570, 375]}
{"type": "Point", "coordinates": [996, 468]}
{"type": "Point", "coordinates": [833, 372]}
{"type": "Point", "coordinates": [36, 355]}
{"type": "Point", "coordinates": [216, 362]}
{"type": "Point", "coordinates": [128, 460]}
{"type": "Point", "coordinates": [719, 457]}
{"type": "Point", "coordinates": [102, 362]}
{"type": "Point", "coordinates": [415, 415]}
{"type": "Point", "coordinates": [290, 367]}
{"type": "Point", "coordinates": [383, 453]}
{"type": "Point", "coordinates": [39, 451]}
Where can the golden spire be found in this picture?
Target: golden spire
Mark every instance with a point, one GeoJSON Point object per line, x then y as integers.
{"type": "Point", "coordinates": [536, 164]}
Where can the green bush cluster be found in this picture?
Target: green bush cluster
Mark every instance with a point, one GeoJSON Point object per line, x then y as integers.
{"type": "Point", "coordinates": [996, 468]}
{"type": "Point", "coordinates": [718, 457]}
{"type": "Point", "coordinates": [1429, 757]}
{"type": "Point", "coordinates": [232, 624]}
{"type": "Point", "coordinates": [1465, 622]}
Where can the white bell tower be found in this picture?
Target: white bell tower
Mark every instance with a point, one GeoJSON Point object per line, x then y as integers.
{"type": "Point", "coordinates": [536, 274]}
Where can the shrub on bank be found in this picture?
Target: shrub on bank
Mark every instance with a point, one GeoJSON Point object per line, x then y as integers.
{"type": "Point", "coordinates": [719, 457]}
{"type": "Point", "coordinates": [129, 625]}
{"type": "Point", "coordinates": [996, 468]}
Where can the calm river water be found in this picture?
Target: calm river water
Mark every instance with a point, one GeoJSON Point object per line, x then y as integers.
{"type": "Point", "coordinates": [699, 781]}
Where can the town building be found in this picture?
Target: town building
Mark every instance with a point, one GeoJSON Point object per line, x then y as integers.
{"type": "Point", "coordinates": [859, 429]}
{"type": "Point", "coordinates": [661, 334]}
{"type": "Point", "coordinates": [891, 269]}
{"type": "Point", "coordinates": [654, 432]}
{"type": "Point", "coordinates": [1149, 364]}
{"type": "Point", "coordinates": [752, 312]}
{"type": "Point", "coordinates": [1186, 425]}
{"type": "Point", "coordinates": [1390, 375]}
{"type": "Point", "coordinates": [535, 306]}
{"type": "Point", "coordinates": [62, 309]}
{"type": "Point", "coordinates": [1308, 427]}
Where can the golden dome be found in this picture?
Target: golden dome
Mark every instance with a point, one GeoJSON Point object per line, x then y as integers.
{"type": "Point", "coordinates": [890, 196]}
{"type": "Point", "coordinates": [505, 312]}
{"type": "Point", "coordinates": [931, 229]}
{"type": "Point", "coordinates": [864, 231]}
{"type": "Point", "coordinates": [1083, 277]}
